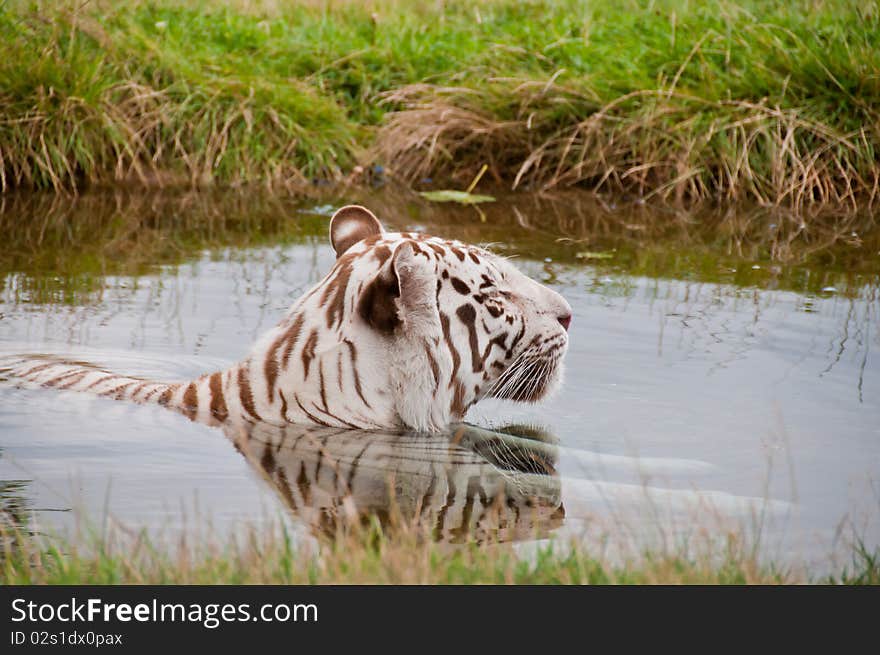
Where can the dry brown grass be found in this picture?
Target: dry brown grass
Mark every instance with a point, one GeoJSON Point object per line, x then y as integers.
{"type": "Point", "coordinates": [770, 156]}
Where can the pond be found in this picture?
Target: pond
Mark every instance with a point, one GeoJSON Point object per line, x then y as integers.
{"type": "Point", "coordinates": [722, 374]}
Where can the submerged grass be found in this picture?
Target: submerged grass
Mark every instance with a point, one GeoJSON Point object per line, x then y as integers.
{"type": "Point", "coordinates": [377, 555]}
{"type": "Point", "coordinates": [774, 102]}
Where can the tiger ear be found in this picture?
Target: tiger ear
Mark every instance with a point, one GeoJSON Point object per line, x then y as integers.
{"type": "Point", "coordinates": [351, 224]}
{"type": "Point", "coordinates": [402, 294]}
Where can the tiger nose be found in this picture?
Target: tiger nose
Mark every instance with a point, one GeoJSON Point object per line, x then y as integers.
{"type": "Point", "coordinates": [564, 320]}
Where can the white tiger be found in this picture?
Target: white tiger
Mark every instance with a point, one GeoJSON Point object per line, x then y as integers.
{"type": "Point", "coordinates": [406, 330]}
{"type": "Point", "coordinates": [466, 483]}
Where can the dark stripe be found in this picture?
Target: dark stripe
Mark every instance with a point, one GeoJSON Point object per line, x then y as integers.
{"type": "Point", "coordinates": [302, 483]}
{"type": "Point", "coordinates": [245, 395]}
{"type": "Point", "coordinates": [165, 397]}
{"type": "Point", "coordinates": [435, 369]}
{"type": "Point", "coordinates": [460, 286]}
{"type": "Point", "coordinates": [339, 369]}
{"type": "Point", "coordinates": [468, 510]}
{"type": "Point", "coordinates": [450, 498]}
{"type": "Point", "coordinates": [38, 368]}
{"type": "Point", "coordinates": [286, 491]}
{"type": "Point", "coordinates": [267, 461]}
{"type": "Point", "coordinates": [458, 407]}
{"type": "Point", "coordinates": [357, 380]}
{"type": "Point", "coordinates": [475, 487]}
{"type": "Point", "coordinates": [109, 391]}
{"type": "Point", "coordinates": [291, 336]}
{"type": "Point", "coordinates": [107, 376]}
{"type": "Point", "coordinates": [218, 399]}
{"type": "Point", "coordinates": [51, 382]}
{"type": "Point", "coordinates": [137, 390]}
{"type": "Point", "coordinates": [321, 380]}
{"type": "Point", "coordinates": [501, 342]}
{"type": "Point", "coordinates": [336, 418]}
{"type": "Point", "coordinates": [336, 288]}
{"type": "Point", "coordinates": [456, 358]}
{"type": "Point", "coordinates": [352, 471]}
{"type": "Point", "coordinates": [438, 249]}
{"type": "Point", "coordinates": [382, 253]}
{"type": "Point", "coordinates": [428, 497]}
{"type": "Point", "coordinates": [322, 454]}
{"type": "Point", "coordinates": [270, 367]}
{"type": "Point", "coordinates": [117, 392]}
{"type": "Point", "coordinates": [77, 378]}
{"type": "Point", "coordinates": [283, 407]}
{"type": "Point", "coordinates": [190, 402]}
{"type": "Point", "coordinates": [308, 352]}
{"type": "Point", "coordinates": [311, 416]}
{"type": "Point", "coordinates": [519, 336]}
{"type": "Point", "coordinates": [120, 392]}
{"type": "Point", "coordinates": [468, 315]}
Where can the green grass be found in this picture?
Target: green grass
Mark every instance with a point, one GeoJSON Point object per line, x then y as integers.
{"type": "Point", "coordinates": [377, 555]}
{"type": "Point", "coordinates": [777, 102]}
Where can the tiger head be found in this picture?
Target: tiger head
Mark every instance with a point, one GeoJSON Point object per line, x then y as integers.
{"type": "Point", "coordinates": [422, 328]}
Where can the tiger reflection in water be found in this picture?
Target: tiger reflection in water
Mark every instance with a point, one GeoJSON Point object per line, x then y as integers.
{"type": "Point", "coordinates": [472, 484]}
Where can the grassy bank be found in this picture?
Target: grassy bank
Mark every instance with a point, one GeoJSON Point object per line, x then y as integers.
{"type": "Point", "coordinates": [379, 556]}
{"type": "Point", "coordinates": [777, 102]}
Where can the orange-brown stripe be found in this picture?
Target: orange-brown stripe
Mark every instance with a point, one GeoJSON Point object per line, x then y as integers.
{"type": "Point", "coordinates": [245, 395]}
{"type": "Point", "coordinates": [51, 382]}
{"type": "Point", "coordinates": [291, 336]}
{"type": "Point", "coordinates": [321, 382]}
{"type": "Point", "coordinates": [137, 390]}
{"type": "Point", "coordinates": [218, 400]}
{"type": "Point", "coordinates": [74, 379]}
{"type": "Point", "coordinates": [190, 402]}
{"type": "Point", "coordinates": [308, 352]}
{"type": "Point", "coordinates": [37, 369]}
{"type": "Point", "coordinates": [165, 396]}
{"type": "Point", "coordinates": [100, 380]}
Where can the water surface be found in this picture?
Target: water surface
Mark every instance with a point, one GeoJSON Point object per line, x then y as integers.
{"type": "Point", "coordinates": [722, 373]}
